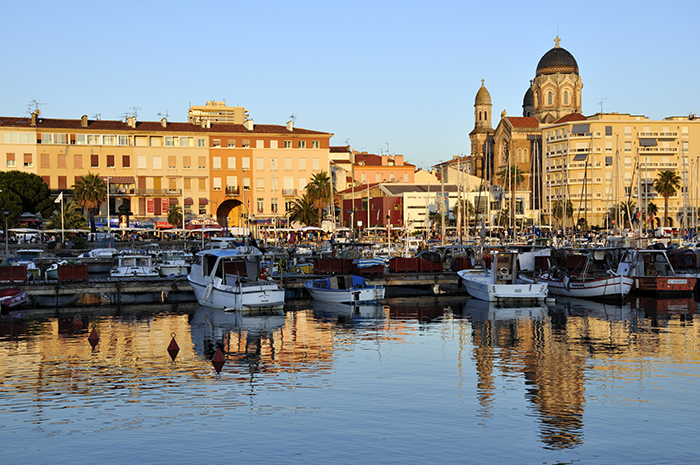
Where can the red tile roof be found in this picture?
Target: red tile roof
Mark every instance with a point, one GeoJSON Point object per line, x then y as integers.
{"type": "Point", "coordinates": [523, 121]}
{"type": "Point", "coordinates": [571, 117]}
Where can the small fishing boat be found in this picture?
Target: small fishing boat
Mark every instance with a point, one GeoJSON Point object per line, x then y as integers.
{"type": "Point", "coordinates": [173, 263]}
{"type": "Point", "coordinates": [131, 264]}
{"type": "Point", "coordinates": [501, 282]}
{"type": "Point", "coordinates": [229, 279]}
{"type": "Point", "coordinates": [344, 289]}
{"type": "Point", "coordinates": [12, 297]}
{"type": "Point", "coordinates": [653, 273]}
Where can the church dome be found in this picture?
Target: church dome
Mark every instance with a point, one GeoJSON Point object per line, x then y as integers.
{"type": "Point", "coordinates": [482, 96]}
{"type": "Point", "coordinates": [529, 99]}
{"type": "Point", "coordinates": [557, 60]}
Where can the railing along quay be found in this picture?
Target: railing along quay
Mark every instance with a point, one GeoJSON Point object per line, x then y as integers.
{"type": "Point", "coordinates": [44, 287]}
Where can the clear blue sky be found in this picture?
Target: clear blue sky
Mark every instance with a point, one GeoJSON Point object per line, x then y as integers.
{"type": "Point", "coordinates": [396, 76]}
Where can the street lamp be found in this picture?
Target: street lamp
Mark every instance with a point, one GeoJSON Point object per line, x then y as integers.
{"type": "Point", "coordinates": [352, 223]}
{"type": "Point", "coordinates": [388, 229]}
{"type": "Point", "coordinates": [7, 239]}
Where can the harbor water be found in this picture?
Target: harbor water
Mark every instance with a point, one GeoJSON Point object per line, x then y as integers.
{"type": "Point", "coordinates": [420, 380]}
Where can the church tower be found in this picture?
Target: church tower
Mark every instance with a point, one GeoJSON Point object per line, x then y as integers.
{"type": "Point", "coordinates": [557, 86]}
{"type": "Point", "coordinates": [482, 130]}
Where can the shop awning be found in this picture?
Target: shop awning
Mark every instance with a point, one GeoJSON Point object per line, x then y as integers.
{"type": "Point", "coordinates": [203, 201]}
{"type": "Point", "coordinates": [118, 179]}
{"type": "Point", "coordinates": [189, 201]}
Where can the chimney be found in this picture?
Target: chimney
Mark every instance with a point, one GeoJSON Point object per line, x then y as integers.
{"type": "Point", "coordinates": [83, 121]}
{"type": "Point", "coordinates": [385, 160]}
{"type": "Point", "coordinates": [131, 121]}
{"type": "Point", "coordinates": [398, 160]}
{"type": "Point", "coordinates": [248, 124]}
{"type": "Point", "coordinates": [34, 115]}
{"type": "Point", "coordinates": [290, 125]}
{"type": "Point", "coordinates": [164, 122]}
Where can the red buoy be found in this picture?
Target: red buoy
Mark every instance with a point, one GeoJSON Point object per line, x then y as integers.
{"type": "Point", "coordinates": [218, 360]}
{"type": "Point", "coordinates": [93, 338]}
{"type": "Point", "coordinates": [77, 323]}
{"type": "Point", "coordinates": [173, 348]}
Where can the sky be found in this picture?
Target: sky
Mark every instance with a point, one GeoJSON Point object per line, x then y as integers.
{"type": "Point", "coordinates": [397, 77]}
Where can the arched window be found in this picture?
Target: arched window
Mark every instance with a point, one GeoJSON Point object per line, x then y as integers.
{"type": "Point", "coordinates": [549, 98]}
{"type": "Point", "coordinates": [479, 116]}
{"type": "Point", "coordinates": [486, 115]}
{"type": "Point", "coordinates": [566, 97]}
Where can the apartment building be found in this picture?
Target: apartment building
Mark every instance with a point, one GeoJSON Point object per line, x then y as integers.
{"type": "Point", "coordinates": [234, 171]}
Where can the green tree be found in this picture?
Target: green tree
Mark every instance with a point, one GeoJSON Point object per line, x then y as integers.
{"type": "Point", "coordinates": [72, 217]}
{"type": "Point", "coordinates": [90, 191]}
{"type": "Point", "coordinates": [25, 192]}
{"type": "Point", "coordinates": [558, 210]}
{"type": "Point", "coordinates": [320, 193]}
{"type": "Point", "coordinates": [303, 211]}
{"type": "Point", "coordinates": [175, 215]}
{"type": "Point", "coordinates": [666, 186]}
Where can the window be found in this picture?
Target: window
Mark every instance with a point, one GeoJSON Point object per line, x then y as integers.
{"type": "Point", "coordinates": [549, 98]}
{"type": "Point", "coordinates": [566, 97]}
{"type": "Point", "coordinates": [245, 163]}
{"type": "Point", "coordinates": [169, 141]}
{"type": "Point", "coordinates": [216, 184]}
{"type": "Point", "coordinates": [77, 161]}
{"type": "Point", "coordinates": [93, 139]}
{"type": "Point", "coordinates": [28, 160]}
{"type": "Point", "coordinates": [274, 205]}
{"type": "Point", "coordinates": [259, 144]}
{"type": "Point", "coordinates": [315, 145]}
{"type": "Point", "coordinates": [261, 205]}
{"type": "Point", "coordinates": [141, 161]}
{"type": "Point", "coordinates": [301, 144]}
{"type": "Point", "coordinates": [377, 177]}
{"type": "Point", "coordinates": [216, 163]}
{"type": "Point", "coordinates": [156, 141]}
{"type": "Point", "coordinates": [45, 162]}
{"type": "Point", "coordinates": [122, 140]}
{"type": "Point", "coordinates": [186, 142]}
{"type": "Point", "coordinates": [157, 163]}
{"type": "Point", "coordinates": [188, 184]}
{"type": "Point", "coordinates": [216, 143]}
{"type": "Point", "coordinates": [172, 162]}
{"type": "Point", "coordinates": [94, 161]}
{"type": "Point", "coordinates": [202, 209]}
{"type": "Point", "coordinates": [608, 130]}
{"type": "Point", "coordinates": [302, 184]}
{"type": "Point", "coordinates": [202, 184]}
{"type": "Point", "coordinates": [315, 164]}
{"type": "Point", "coordinates": [109, 140]}
{"type": "Point", "coordinates": [608, 162]}
{"type": "Point", "coordinates": [126, 161]}
{"type": "Point", "coordinates": [62, 182]}
{"type": "Point", "coordinates": [110, 161]}
{"type": "Point", "coordinates": [260, 184]}
{"type": "Point", "coordinates": [628, 146]}
{"type": "Point", "coordinates": [201, 143]}
{"type": "Point", "coordinates": [232, 163]}
{"type": "Point", "coordinates": [80, 139]}
{"type": "Point", "coordinates": [187, 162]}
{"type": "Point", "coordinates": [260, 164]}
{"type": "Point", "coordinates": [273, 144]}
{"type": "Point", "coordinates": [46, 139]}
{"type": "Point", "coordinates": [246, 184]}
{"type": "Point", "coordinates": [61, 160]}
{"type": "Point", "coordinates": [245, 144]}
{"type": "Point", "coordinates": [202, 163]}
{"type": "Point", "coordinates": [288, 164]}
{"type": "Point", "coordinates": [302, 164]}
{"type": "Point", "coordinates": [287, 144]}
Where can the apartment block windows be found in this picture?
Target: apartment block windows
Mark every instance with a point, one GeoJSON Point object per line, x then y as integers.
{"type": "Point", "coordinates": [216, 143]}
{"type": "Point", "coordinates": [232, 163]}
{"type": "Point", "coordinates": [260, 164]}
{"type": "Point", "coordinates": [231, 143]}
{"type": "Point", "coordinates": [110, 161]}
{"type": "Point", "coordinates": [245, 144]}
{"type": "Point", "coordinates": [301, 144]}
{"type": "Point", "coordinates": [246, 184]}
{"type": "Point", "coordinates": [302, 164]}
{"type": "Point", "coordinates": [260, 184]}
{"type": "Point", "coordinates": [288, 164]}
{"type": "Point", "coordinates": [274, 206]}
{"type": "Point", "coordinates": [126, 161]}
{"type": "Point", "coordinates": [45, 161]}
{"type": "Point", "coordinates": [260, 205]}
{"type": "Point", "coordinates": [245, 163]}
{"type": "Point", "coordinates": [216, 163]}
{"type": "Point", "coordinates": [202, 163]}
{"type": "Point", "coordinates": [315, 145]}
{"type": "Point", "coordinates": [201, 142]}
{"type": "Point", "coordinates": [216, 184]}
{"type": "Point", "coordinates": [77, 161]}
{"type": "Point", "coordinates": [287, 144]}
{"type": "Point", "coordinates": [122, 140]}
{"type": "Point", "coordinates": [28, 160]}
{"type": "Point", "coordinates": [141, 162]}
{"type": "Point", "coordinates": [315, 164]}
{"type": "Point", "coordinates": [187, 162]}
{"type": "Point", "coordinates": [172, 162]}
{"type": "Point", "coordinates": [94, 161]}
{"type": "Point", "coordinates": [157, 163]}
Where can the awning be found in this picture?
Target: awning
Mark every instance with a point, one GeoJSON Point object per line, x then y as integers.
{"type": "Point", "coordinates": [163, 225]}
{"type": "Point", "coordinates": [646, 142]}
{"type": "Point", "coordinates": [118, 179]}
{"type": "Point", "coordinates": [580, 157]}
{"type": "Point", "coordinates": [189, 201]}
{"type": "Point", "coordinates": [203, 201]}
{"type": "Point", "coordinates": [173, 201]}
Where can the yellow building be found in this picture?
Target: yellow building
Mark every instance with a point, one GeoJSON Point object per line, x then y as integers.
{"type": "Point", "coordinates": [608, 159]}
{"type": "Point", "coordinates": [221, 170]}
{"type": "Point", "coordinates": [216, 112]}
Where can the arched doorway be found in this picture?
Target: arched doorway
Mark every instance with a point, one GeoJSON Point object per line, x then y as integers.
{"type": "Point", "coordinates": [234, 210]}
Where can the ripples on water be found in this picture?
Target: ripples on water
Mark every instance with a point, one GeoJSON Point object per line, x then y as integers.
{"type": "Point", "coordinates": [447, 380]}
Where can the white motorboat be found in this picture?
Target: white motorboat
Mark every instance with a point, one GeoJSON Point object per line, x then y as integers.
{"type": "Point", "coordinates": [344, 289]}
{"type": "Point", "coordinates": [130, 264]}
{"type": "Point", "coordinates": [500, 282]}
{"type": "Point", "coordinates": [173, 263]}
{"type": "Point", "coordinates": [229, 279]}
{"type": "Point", "coordinates": [589, 274]}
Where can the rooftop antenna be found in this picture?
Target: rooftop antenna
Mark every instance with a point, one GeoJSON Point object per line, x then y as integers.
{"type": "Point", "coordinates": [97, 116]}
{"type": "Point", "coordinates": [600, 102]}
{"type": "Point", "coordinates": [347, 141]}
{"type": "Point", "coordinates": [294, 119]}
{"type": "Point", "coordinates": [33, 107]}
{"type": "Point", "coordinates": [387, 147]}
{"type": "Point", "coordinates": [135, 111]}
{"type": "Point", "coordinates": [164, 115]}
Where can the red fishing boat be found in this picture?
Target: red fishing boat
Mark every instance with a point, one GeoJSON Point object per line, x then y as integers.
{"type": "Point", "coordinates": [11, 298]}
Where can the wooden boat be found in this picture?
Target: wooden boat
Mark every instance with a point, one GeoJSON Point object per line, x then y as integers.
{"type": "Point", "coordinates": [229, 279]}
{"type": "Point", "coordinates": [588, 274]}
{"type": "Point", "coordinates": [653, 273]}
{"type": "Point", "coordinates": [11, 298]}
{"type": "Point", "coordinates": [344, 289]}
{"type": "Point", "coordinates": [501, 282]}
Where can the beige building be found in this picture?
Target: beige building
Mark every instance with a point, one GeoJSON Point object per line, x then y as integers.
{"type": "Point", "coordinates": [216, 112]}
{"type": "Point", "coordinates": [607, 159]}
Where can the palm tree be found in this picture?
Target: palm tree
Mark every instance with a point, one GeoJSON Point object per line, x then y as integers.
{"type": "Point", "coordinates": [72, 217]}
{"type": "Point", "coordinates": [175, 215]}
{"type": "Point", "coordinates": [666, 185]}
{"type": "Point", "coordinates": [303, 211]}
{"type": "Point", "coordinates": [320, 192]}
{"type": "Point", "coordinates": [90, 191]}
{"type": "Point", "coordinates": [558, 210]}
{"type": "Point", "coordinates": [512, 176]}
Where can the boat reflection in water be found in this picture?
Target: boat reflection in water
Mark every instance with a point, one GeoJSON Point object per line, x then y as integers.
{"type": "Point", "coordinates": [482, 310]}
{"type": "Point", "coordinates": [343, 312]}
{"type": "Point", "coordinates": [236, 333]}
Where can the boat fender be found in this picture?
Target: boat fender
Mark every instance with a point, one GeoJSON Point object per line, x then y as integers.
{"type": "Point", "coordinates": [504, 271]}
{"type": "Point", "coordinates": [207, 292]}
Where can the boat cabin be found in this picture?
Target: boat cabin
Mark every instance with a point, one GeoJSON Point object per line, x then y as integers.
{"type": "Point", "coordinates": [504, 267]}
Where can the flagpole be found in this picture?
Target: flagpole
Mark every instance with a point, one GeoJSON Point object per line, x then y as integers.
{"type": "Point", "coordinates": [63, 233]}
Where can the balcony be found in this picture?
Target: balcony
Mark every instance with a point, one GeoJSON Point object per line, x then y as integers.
{"type": "Point", "coordinates": [289, 192]}
{"type": "Point", "coordinates": [232, 191]}
{"type": "Point", "coordinates": [158, 192]}
{"type": "Point", "coordinates": [659, 134]}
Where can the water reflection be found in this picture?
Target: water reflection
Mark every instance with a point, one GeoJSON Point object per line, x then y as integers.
{"type": "Point", "coordinates": [558, 360]}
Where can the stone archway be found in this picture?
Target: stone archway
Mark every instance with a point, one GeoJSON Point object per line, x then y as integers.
{"type": "Point", "coordinates": [234, 211]}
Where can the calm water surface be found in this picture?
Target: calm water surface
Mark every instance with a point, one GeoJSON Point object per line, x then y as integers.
{"type": "Point", "coordinates": [422, 380]}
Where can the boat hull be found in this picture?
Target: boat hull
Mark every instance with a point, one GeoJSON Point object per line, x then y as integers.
{"type": "Point", "coordinates": [480, 287]}
{"type": "Point", "coordinates": [368, 294]}
{"type": "Point", "coordinates": [259, 295]}
{"type": "Point", "coordinates": [663, 285]}
{"type": "Point", "coordinates": [613, 287]}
